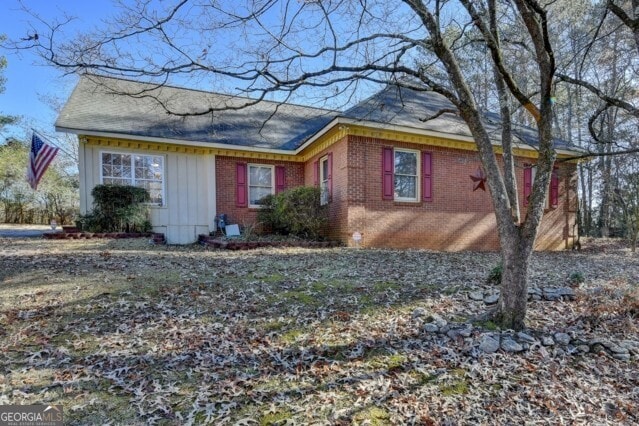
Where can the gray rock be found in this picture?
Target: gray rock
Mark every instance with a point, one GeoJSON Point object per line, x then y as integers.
{"type": "Point", "coordinates": [536, 297]}
{"type": "Point", "coordinates": [431, 327]}
{"type": "Point", "coordinates": [547, 341]}
{"type": "Point", "coordinates": [598, 341]}
{"type": "Point", "coordinates": [491, 299]}
{"type": "Point", "coordinates": [419, 312]}
{"type": "Point", "coordinates": [523, 337]}
{"type": "Point", "coordinates": [476, 295]}
{"type": "Point", "coordinates": [466, 331]}
{"type": "Point", "coordinates": [453, 333]}
{"type": "Point", "coordinates": [441, 322]}
{"type": "Point", "coordinates": [632, 346]}
{"type": "Point", "coordinates": [562, 338]}
{"type": "Point", "coordinates": [510, 345]}
{"type": "Point", "coordinates": [584, 349]}
{"type": "Point", "coordinates": [558, 352]}
{"type": "Point", "coordinates": [622, 357]}
{"type": "Point", "coordinates": [551, 294]}
{"type": "Point", "coordinates": [534, 290]}
{"type": "Point", "coordinates": [488, 344]}
{"type": "Point", "coordinates": [567, 293]}
{"type": "Point", "coordinates": [614, 348]}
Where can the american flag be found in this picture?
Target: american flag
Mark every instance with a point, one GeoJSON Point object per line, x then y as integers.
{"type": "Point", "coordinates": [41, 156]}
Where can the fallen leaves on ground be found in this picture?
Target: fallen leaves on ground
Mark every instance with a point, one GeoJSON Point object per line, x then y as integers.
{"type": "Point", "coordinates": [123, 332]}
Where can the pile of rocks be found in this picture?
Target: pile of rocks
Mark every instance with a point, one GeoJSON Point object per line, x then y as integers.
{"type": "Point", "coordinates": [477, 340]}
{"type": "Point", "coordinates": [491, 296]}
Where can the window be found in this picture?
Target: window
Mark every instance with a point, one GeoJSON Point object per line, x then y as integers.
{"type": "Point", "coordinates": [143, 171]}
{"type": "Point", "coordinates": [324, 172]}
{"type": "Point", "coordinates": [530, 173]}
{"type": "Point", "coordinates": [406, 172]}
{"type": "Point", "coordinates": [260, 183]}
{"type": "Point", "coordinates": [533, 173]}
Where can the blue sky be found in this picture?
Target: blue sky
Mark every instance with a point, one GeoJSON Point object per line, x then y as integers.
{"type": "Point", "coordinates": [28, 79]}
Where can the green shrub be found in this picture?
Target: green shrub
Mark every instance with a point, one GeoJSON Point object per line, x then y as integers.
{"type": "Point", "coordinates": [576, 278]}
{"type": "Point", "coordinates": [296, 211]}
{"type": "Point", "coordinates": [494, 276]}
{"type": "Point", "coordinates": [117, 208]}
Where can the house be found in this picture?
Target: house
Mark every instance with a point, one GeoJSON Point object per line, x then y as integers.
{"type": "Point", "coordinates": [386, 171]}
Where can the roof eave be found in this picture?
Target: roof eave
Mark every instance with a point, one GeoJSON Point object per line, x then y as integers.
{"type": "Point", "coordinates": [431, 133]}
{"type": "Point", "coordinates": [172, 141]}
{"type": "Point", "coordinates": [342, 121]}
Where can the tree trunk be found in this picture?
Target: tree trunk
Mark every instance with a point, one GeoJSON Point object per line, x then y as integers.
{"type": "Point", "coordinates": [512, 305]}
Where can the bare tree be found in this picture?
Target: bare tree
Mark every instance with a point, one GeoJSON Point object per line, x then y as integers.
{"type": "Point", "coordinates": [287, 49]}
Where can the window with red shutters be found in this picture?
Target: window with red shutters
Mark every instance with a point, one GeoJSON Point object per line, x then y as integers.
{"type": "Point", "coordinates": [530, 172]}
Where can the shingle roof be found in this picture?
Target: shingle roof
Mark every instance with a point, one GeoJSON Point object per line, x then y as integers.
{"type": "Point", "coordinates": [94, 106]}
{"type": "Point", "coordinates": [411, 108]}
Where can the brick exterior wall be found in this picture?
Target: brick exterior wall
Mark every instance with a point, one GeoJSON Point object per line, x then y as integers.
{"type": "Point", "coordinates": [456, 219]}
{"type": "Point", "coordinates": [338, 204]}
{"type": "Point", "coordinates": [226, 182]}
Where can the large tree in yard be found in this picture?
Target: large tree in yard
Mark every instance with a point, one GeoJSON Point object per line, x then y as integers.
{"type": "Point", "coordinates": [335, 50]}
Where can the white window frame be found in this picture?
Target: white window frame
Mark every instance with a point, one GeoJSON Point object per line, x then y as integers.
{"type": "Point", "coordinates": [417, 176]}
{"type": "Point", "coordinates": [324, 189]}
{"type": "Point", "coordinates": [132, 180]}
{"type": "Point", "coordinates": [248, 182]}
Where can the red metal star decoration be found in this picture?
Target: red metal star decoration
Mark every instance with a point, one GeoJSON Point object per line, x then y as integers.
{"type": "Point", "coordinates": [479, 179]}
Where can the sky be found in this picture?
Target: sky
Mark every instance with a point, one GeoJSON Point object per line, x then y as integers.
{"type": "Point", "coordinates": [28, 79]}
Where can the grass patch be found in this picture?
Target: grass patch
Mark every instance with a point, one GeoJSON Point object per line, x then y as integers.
{"type": "Point", "coordinates": [423, 379]}
{"type": "Point", "coordinates": [273, 278]}
{"type": "Point", "coordinates": [386, 285]}
{"type": "Point", "coordinates": [487, 325]}
{"type": "Point", "coordinates": [276, 418]}
{"type": "Point", "coordinates": [455, 388]}
{"type": "Point", "coordinates": [299, 297]}
{"type": "Point", "coordinates": [291, 336]}
{"type": "Point", "coordinates": [374, 416]}
{"type": "Point", "coordinates": [274, 326]}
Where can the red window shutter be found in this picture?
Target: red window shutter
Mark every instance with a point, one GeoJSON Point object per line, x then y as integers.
{"type": "Point", "coordinates": [387, 173]}
{"type": "Point", "coordinates": [527, 183]}
{"type": "Point", "coordinates": [316, 173]}
{"type": "Point", "coordinates": [554, 189]}
{"type": "Point", "coordinates": [241, 189]}
{"type": "Point", "coordinates": [280, 179]}
{"type": "Point", "coordinates": [427, 176]}
{"type": "Point", "coordinates": [329, 178]}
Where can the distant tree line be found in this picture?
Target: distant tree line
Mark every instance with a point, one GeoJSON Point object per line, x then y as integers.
{"type": "Point", "coordinates": [57, 197]}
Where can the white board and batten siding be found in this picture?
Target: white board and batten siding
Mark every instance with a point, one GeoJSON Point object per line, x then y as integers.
{"type": "Point", "coordinates": [189, 190]}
